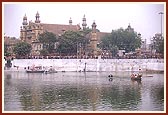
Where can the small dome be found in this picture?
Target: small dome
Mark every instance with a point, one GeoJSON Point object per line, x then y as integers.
{"type": "Point", "coordinates": [84, 19]}
{"type": "Point", "coordinates": [37, 18]}
{"type": "Point", "coordinates": [70, 20]}
{"type": "Point", "coordinates": [94, 24]}
{"type": "Point", "coordinates": [37, 14]}
{"type": "Point", "coordinates": [129, 26]}
{"type": "Point", "coordinates": [25, 17]}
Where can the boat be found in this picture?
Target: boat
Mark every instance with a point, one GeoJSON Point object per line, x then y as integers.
{"type": "Point", "coordinates": [136, 76]}
{"type": "Point", "coordinates": [51, 70]}
{"type": "Point", "coordinates": [35, 69]}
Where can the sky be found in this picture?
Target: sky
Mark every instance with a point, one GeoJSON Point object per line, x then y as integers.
{"type": "Point", "coordinates": [143, 17]}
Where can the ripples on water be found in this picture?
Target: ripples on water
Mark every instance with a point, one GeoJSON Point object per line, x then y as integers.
{"type": "Point", "coordinates": [91, 91]}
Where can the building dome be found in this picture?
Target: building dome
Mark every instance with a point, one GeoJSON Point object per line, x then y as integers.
{"type": "Point", "coordinates": [37, 18]}
{"type": "Point", "coordinates": [84, 19]}
{"type": "Point", "coordinates": [25, 17]}
{"type": "Point", "coordinates": [24, 20]}
{"type": "Point", "coordinates": [84, 22]}
{"type": "Point", "coordinates": [37, 14]}
{"type": "Point", "coordinates": [94, 25]}
{"type": "Point", "coordinates": [70, 21]}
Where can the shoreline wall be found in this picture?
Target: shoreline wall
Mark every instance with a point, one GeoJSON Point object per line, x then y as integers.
{"type": "Point", "coordinates": [90, 64]}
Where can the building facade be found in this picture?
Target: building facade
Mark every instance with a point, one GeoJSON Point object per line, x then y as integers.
{"type": "Point", "coordinates": [30, 31]}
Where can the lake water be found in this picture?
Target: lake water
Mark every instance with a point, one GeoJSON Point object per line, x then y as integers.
{"type": "Point", "coordinates": [78, 91]}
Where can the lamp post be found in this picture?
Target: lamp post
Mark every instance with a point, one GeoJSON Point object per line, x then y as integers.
{"type": "Point", "coordinates": [161, 22]}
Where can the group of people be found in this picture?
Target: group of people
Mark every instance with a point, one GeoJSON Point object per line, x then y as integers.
{"type": "Point", "coordinates": [137, 75]}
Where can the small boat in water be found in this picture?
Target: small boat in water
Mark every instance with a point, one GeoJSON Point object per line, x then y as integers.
{"type": "Point", "coordinates": [136, 76]}
{"type": "Point", "coordinates": [50, 70]}
{"type": "Point", "coordinates": [35, 69]}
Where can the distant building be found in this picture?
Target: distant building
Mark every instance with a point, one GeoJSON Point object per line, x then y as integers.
{"type": "Point", "coordinates": [29, 32]}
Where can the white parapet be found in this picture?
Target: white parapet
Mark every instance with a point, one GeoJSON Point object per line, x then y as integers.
{"type": "Point", "coordinates": [90, 64]}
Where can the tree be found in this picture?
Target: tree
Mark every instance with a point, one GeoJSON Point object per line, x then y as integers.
{"type": "Point", "coordinates": [158, 43]}
{"type": "Point", "coordinates": [44, 52]}
{"type": "Point", "coordinates": [6, 52]}
{"type": "Point", "coordinates": [22, 49]}
{"type": "Point", "coordinates": [121, 39]}
{"type": "Point", "coordinates": [86, 31]}
{"type": "Point", "coordinates": [48, 39]}
{"type": "Point", "coordinates": [70, 41]}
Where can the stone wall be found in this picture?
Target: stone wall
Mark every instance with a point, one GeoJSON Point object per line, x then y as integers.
{"type": "Point", "coordinates": [90, 64]}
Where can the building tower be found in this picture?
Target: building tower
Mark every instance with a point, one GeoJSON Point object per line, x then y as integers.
{"type": "Point", "coordinates": [84, 22]}
{"type": "Point", "coordinates": [70, 21]}
{"type": "Point", "coordinates": [36, 27]}
{"type": "Point", "coordinates": [25, 20]}
{"type": "Point", "coordinates": [23, 29]}
{"type": "Point", "coordinates": [93, 41]}
{"type": "Point", "coordinates": [129, 29]}
{"type": "Point", "coordinates": [37, 18]}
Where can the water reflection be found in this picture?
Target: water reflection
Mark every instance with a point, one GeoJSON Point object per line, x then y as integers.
{"type": "Point", "coordinates": [82, 92]}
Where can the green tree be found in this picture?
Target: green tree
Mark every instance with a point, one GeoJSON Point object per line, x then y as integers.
{"type": "Point", "coordinates": [48, 39]}
{"type": "Point", "coordinates": [121, 39]}
{"type": "Point", "coordinates": [44, 52]}
{"type": "Point", "coordinates": [6, 53]}
{"type": "Point", "coordinates": [161, 47]}
{"type": "Point", "coordinates": [70, 41]}
{"type": "Point", "coordinates": [86, 31]}
{"type": "Point", "coordinates": [22, 49]}
{"type": "Point", "coordinates": [158, 44]}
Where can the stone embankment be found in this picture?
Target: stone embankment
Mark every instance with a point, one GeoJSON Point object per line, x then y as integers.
{"type": "Point", "coordinates": [90, 64]}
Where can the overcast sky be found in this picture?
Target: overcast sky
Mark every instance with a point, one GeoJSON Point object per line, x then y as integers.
{"type": "Point", "coordinates": [143, 17]}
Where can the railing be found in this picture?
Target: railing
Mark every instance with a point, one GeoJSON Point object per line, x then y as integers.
{"type": "Point", "coordinates": [85, 57]}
